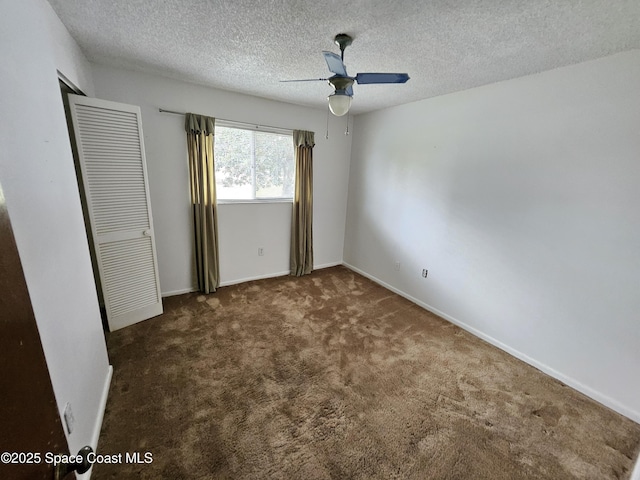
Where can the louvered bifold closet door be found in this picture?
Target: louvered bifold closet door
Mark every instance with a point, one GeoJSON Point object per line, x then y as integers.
{"type": "Point", "coordinates": [114, 176]}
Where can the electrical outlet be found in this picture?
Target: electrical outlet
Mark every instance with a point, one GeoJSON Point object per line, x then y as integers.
{"type": "Point", "coordinates": [425, 272]}
{"type": "Point", "coordinates": [68, 418]}
{"type": "Point", "coordinates": [397, 265]}
{"type": "Point", "coordinates": [261, 251]}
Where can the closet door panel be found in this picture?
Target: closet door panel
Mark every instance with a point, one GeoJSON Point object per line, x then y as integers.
{"type": "Point", "coordinates": [114, 176]}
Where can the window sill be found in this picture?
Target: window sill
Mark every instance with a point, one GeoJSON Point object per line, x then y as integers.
{"type": "Point", "coordinates": [256, 200]}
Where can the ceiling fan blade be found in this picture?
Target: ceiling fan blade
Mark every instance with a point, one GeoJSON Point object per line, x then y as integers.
{"type": "Point", "coordinates": [306, 80]}
{"type": "Point", "coordinates": [334, 62]}
{"type": "Point", "coordinates": [365, 78]}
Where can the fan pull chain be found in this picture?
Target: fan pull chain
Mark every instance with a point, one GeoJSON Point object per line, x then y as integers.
{"type": "Point", "coordinates": [327, 135]}
{"type": "Point", "coordinates": [346, 132]}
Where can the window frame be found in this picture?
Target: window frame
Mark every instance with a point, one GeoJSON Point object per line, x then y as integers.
{"type": "Point", "coordinates": [262, 129]}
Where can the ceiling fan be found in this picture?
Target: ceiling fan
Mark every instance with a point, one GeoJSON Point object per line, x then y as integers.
{"type": "Point", "coordinates": [340, 100]}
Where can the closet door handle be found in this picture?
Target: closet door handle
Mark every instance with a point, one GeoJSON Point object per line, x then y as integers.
{"type": "Point", "coordinates": [147, 233]}
{"type": "Point", "coordinates": [81, 464]}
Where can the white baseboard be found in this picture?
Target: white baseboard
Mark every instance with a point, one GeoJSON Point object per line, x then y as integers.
{"type": "Point", "coordinates": [573, 383]}
{"type": "Point", "coordinates": [236, 281]}
{"type": "Point", "coordinates": [178, 292]}
{"type": "Point", "coordinates": [273, 275]}
{"type": "Point", "coordinates": [97, 427]}
{"type": "Point", "coordinates": [327, 265]}
{"type": "Point", "coordinates": [635, 475]}
{"type": "Point", "coordinates": [250, 279]}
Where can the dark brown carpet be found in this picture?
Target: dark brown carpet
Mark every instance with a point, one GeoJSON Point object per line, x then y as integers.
{"type": "Point", "coordinates": [331, 376]}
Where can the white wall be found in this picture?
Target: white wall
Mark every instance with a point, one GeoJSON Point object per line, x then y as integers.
{"type": "Point", "coordinates": [70, 62]}
{"type": "Point", "coordinates": [243, 228]}
{"type": "Point", "coordinates": [246, 227]}
{"type": "Point", "coordinates": [522, 200]}
{"type": "Point", "coordinates": [38, 177]}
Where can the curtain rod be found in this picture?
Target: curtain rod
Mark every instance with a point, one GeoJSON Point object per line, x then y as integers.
{"type": "Point", "coordinates": [162, 110]}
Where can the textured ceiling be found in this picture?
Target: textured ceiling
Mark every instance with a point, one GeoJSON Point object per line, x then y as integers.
{"type": "Point", "coordinates": [444, 45]}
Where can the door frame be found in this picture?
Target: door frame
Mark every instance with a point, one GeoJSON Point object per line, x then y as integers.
{"type": "Point", "coordinates": [67, 88]}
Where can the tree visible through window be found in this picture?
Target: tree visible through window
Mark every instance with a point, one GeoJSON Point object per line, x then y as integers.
{"type": "Point", "coordinates": [253, 165]}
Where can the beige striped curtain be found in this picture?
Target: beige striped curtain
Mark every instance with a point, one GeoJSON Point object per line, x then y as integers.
{"type": "Point", "coordinates": [200, 133]}
{"type": "Point", "coordinates": [302, 218]}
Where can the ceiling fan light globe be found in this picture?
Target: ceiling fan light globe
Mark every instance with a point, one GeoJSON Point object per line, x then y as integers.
{"type": "Point", "coordinates": [339, 104]}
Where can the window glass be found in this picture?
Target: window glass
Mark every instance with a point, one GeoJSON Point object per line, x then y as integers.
{"type": "Point", "coordinates": [253, 165]}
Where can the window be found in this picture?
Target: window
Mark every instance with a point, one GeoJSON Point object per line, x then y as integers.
{"type": "Point", "coordinates": [253, 165]}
